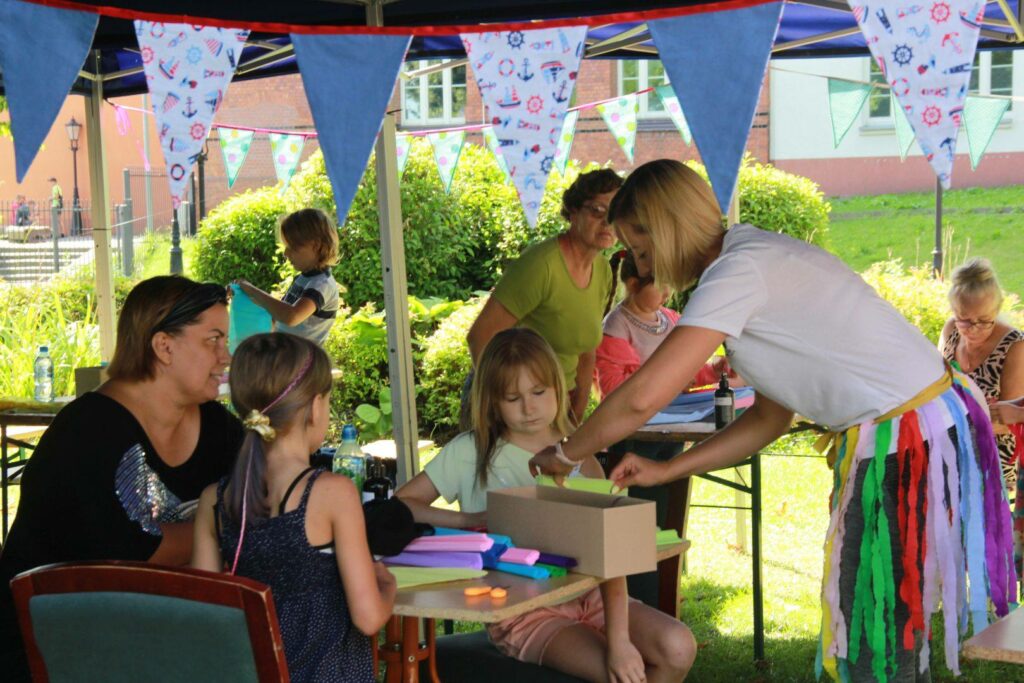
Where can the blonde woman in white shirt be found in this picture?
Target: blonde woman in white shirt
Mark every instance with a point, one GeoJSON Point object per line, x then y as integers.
{"type": "Point", "coordinates": [812, 337]}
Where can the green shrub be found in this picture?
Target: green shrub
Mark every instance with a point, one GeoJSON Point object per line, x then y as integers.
{"type": "Point", "coordinates": [357, 346]}
{"type": "Point", "coordinates": [238, 239]}
{"type": "Point", "coordinates": [438, 247]}
{"type": "Point", "coordinates": [492, 211]}
{"type": "Point", "coordinates": [922, 299]}
{"type": "Point", "coordinates": [455, 243]}
{"type": "Point", "coordinates": [782, 202]}
{"type": "Point", "coordinates": [443, 371]}
{"type": "Point", "coordinates": [60, 313]}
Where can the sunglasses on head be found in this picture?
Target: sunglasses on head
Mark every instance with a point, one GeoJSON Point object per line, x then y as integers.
{"type": "Point", "coordinates": [190, 306]}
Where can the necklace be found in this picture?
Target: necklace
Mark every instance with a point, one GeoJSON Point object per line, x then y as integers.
{"type": "Point", "coordinates": [657, 327]}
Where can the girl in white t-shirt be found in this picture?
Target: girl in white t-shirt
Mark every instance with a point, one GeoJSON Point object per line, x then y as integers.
{"type": "Point", "coordinates": [917, 505]}
{"type": "Point", "coordinates": [519, 407]}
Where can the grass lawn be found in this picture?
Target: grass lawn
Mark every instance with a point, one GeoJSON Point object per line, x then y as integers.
{"type": "Point", "coordinates": [984, 222]}
{"type": "Point", "coordinates": [155, 256]}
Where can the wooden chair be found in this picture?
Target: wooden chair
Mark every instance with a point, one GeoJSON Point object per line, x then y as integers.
{"type": "Point", "coordinates": [132, 621]}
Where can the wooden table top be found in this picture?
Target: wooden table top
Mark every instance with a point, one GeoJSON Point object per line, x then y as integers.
{"type": "Point", "coordinates": [447, 600]}
{"type": "Point", "coordinates": [1002, 641]}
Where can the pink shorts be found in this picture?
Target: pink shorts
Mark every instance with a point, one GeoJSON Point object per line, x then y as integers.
{"type": "Point", "coordinates": [527, 636]}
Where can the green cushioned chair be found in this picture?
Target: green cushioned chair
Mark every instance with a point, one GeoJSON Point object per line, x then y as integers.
{"type": "Point", "coordinates": [132, 621]}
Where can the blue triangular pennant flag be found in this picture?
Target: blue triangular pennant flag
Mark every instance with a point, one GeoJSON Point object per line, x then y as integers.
{"type": "Point", "coordinates": [349, 79]}
{"type": "Point", "coordinates": [42, 49]}
{"type": "Point", "coordinates": [718, 82]}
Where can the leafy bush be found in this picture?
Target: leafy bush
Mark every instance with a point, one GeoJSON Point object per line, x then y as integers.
{"type": "Point", "coordinates": [782, 202]}
{"type": "Point", "coordinates": [491, 210]}
{"type": "Point", "coordinates": [438, 247]}
{"type": "Point", "coordinates": [922, 299]}
{"type": "Point", "coordinates": [357, 346]}
{"type": "Point", "coordinates": [60, 313]}
{"type": "Point", "coordinates": [455, 243]}
{"type": "Point", "coordinates": [444, 368]}
{"type": "Point", "coordinates": [238, 239]}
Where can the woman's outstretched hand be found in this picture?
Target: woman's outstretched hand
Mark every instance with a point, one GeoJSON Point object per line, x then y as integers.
{"type": "Point", "coordinates": [634, 470]}
{"type": "Point", "coordinates": [545, 462]}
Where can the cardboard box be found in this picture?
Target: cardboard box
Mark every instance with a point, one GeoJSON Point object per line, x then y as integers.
{"type": "Point", "coordinates": [609, 536]}
{"type": "Point", "coordinates": [87, 379]}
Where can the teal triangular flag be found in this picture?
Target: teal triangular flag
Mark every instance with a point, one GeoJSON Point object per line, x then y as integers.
{"type": "Point", "coordinates": [403, 143]}
{"type": "Point", "coordinates": [447, 148]}
{"type": "Point", "coordinates": [620, 117]}
{"type": "Point", "coordinates": [495, 146]}
{"type": "Point", "coordinates": [981, 117]}
{"type": "Point", "coordinates": [286, 150]}
{"type": "Point", "coordinates": [718, 82]}
{"type": "Point", "coordinates": [348, 82]}
{"type": "Point", "coordinates": [234, 146]}
{"type": "Point", "coordinates": [671, 104]}
{"type": "Point", "coordinates": [845, 101]}
{"type": "Point", "coordinates": [565, 140]}
{"type": "Point", "coordinates": [904, 133]}
{"type": "Point", "coordinates": [42, 49]}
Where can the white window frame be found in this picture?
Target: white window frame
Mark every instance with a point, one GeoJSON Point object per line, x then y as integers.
{"type": "Point", "coordinates": [422, 82]}
{"type": "Point", "coordinates": [984, 88]}
{"type": "Point", "coordinates": [642, 84]}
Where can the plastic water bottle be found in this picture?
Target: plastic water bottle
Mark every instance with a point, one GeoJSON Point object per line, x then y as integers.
{"type": "Point", "coordinates": [43, 372]}
{"type": "Point", "coordinates": [349, 459]}
{"type": "Point", "coordinates": [725, 403]}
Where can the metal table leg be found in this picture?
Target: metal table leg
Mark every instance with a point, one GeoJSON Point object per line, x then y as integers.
{"type": "Point", "coordinates": [755, 551]}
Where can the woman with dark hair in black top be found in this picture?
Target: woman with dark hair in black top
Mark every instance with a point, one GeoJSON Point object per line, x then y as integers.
{"type": "Point", "coordinates": [117, 474]}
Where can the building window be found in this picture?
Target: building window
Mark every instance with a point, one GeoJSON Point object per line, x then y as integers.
{"type": "Point", "coordinates": [879, 104]}
{"type": "Point", "coordinates": [639, 74]}
{"type": "Point", "coordinates": [992, 74]}
{"type": "Point", "coordinates": [436, 98]}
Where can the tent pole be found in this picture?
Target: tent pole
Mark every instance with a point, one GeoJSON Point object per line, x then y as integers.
{"type": "Point", "coordinates": [99, 207]}
{"type": "Point", "coordinates": [937, 251]}
{"type": "Point", "coordinates": [396, 293]}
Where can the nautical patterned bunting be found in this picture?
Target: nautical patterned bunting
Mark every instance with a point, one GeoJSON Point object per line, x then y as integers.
{"type": "Point", "coordinates": [526, 79]}
{"type": "Point", "coordinates": [925, 51]}
{"type": "Point", "coordinates": [188, 69]}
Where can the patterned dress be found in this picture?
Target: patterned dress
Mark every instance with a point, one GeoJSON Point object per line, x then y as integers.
{"type": "Point", "coordinates": [987, 376]}
{"type": "Point", "coordinates": [320, 641]}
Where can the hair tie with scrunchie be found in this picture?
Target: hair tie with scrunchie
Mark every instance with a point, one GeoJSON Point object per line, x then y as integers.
{"type": "Point", "coordinates": [259, 423]}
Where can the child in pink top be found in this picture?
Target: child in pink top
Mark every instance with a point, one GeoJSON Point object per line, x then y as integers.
{"type": "Point", "coordinates": [636, 327]}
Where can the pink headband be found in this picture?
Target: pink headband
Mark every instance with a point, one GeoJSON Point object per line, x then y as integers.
{"type": "Point", "coordinates": [298, 378]}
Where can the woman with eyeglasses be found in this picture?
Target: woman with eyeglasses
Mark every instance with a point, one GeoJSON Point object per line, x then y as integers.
{"type": "Point", "coordinates": [985, 347]}
{"type": "Point", "coordinates": [914, 512]}
{"type": "Point", "coordinates": [559, 287]}
{"type": "Point", "coordinates": [990, 352]}
{"type": "Point", "coordinates": [118, 473]}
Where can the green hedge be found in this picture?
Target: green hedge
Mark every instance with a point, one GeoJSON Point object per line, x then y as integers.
{"type": "Point", "coordinates": [443, 370]}
{"type": "Point", "coordinates": [775, 200]}
{"type": "Point", "coordinates": [238, 239]}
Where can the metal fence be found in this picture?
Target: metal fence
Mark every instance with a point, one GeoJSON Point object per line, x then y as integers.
{"type": "Point", "coordinates": [146, 194]}
{"type": "Point", "coordinates": [38, 241]}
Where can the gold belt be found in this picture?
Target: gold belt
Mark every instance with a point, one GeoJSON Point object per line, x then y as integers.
{"type": "Point", "coordinates": [829, 441]}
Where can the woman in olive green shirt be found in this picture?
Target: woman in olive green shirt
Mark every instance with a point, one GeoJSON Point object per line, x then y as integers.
{"type": "Point", "coordinates": [559, 287]}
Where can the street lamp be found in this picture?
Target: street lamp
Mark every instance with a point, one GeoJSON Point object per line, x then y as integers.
{"type": "Point", "coordinates": [74, 129]}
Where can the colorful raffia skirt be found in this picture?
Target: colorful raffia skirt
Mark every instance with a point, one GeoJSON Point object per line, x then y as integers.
{"type": "Point", "coordinates": [919, 519]}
